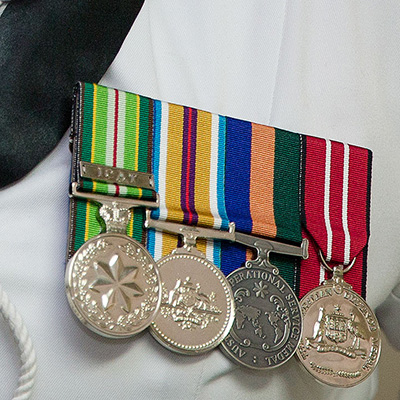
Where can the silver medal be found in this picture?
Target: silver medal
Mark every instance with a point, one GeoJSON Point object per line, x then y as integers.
{"type": "Point", "coordinates": [268, 323]}
{"type": "Point", "coordinates": [341, 341]}
{"type": "Point", "coordinates": [112, 282]}
{"type": "Point", "coordinates": [113, 286]}
{"type": "Point", "coordinates": [197, 307]}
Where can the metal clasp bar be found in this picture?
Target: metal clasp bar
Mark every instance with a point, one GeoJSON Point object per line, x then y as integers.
{"type": "Point", "coordinates": [190, 233]}
{"type": "Point", "coordinates": [114, 175]}
{"type": "Point", "coordinates": [265, 246]}
{"type": "Point", "coordinates": [115, 211]}
{"type": "Point", "coordinates": [125, 201]}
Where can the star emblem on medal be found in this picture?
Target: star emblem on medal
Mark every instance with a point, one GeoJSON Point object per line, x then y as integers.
{"type": "Point", "coordinates": [116, 283]}
{"type": "Point", "coordinates": [260, 289]}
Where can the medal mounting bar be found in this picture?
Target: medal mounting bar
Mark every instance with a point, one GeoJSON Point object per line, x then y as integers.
{"type": "Point", "coordinates": [115, 211]}
{"type": "Point", "coordinates": [266, 246]}
{"type": "Point", "coordinates": [102, 198]}
{"type": "Point", "coordinates": [190, 233]}
{"type": "Point", "coordinates": [114, 175]}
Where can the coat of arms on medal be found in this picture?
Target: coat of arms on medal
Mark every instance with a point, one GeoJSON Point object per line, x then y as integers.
{"type": "Point", "coordinates": [333, 330]}
{"type": "Point", "coordinates": [341, 340]}
{"type": "Point", "coordinates": [189, 306]}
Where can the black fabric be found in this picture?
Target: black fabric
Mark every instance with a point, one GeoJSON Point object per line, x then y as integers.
{"type": "Point", "coordinates": [46, 46]}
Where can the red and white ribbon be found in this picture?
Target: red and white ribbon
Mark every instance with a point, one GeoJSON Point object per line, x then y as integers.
{"type": "Point", "coordinates": [336, 196]}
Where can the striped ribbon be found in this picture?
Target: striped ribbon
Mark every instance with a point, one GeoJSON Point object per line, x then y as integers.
{"type": "Point", "coordinates": [111, 128]}
{"type": "Point", "coordinates": [336, 183]}
{"type": "Point", "coordinates": [209, 170]}
{"type": "Point", "coordinates": [262, 190]}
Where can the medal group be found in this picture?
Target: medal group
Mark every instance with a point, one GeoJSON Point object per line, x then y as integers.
{"type": "Point", "coordinates": [207, 230]}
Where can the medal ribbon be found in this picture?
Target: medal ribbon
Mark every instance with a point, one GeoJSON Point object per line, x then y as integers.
{"type": "Point", "coordinates": [336, 181]}
{"type": "Point", "coordinates": [210, 170]}
{"type": "Point", "coordinates": [111, 128]}
{"type": "Point", "coordinates": [262, 190]}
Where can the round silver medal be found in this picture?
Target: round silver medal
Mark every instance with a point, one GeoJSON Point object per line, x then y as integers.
{"type": "Point", "coordinates": [113, 285]}
{"type": "Point", "coordinates": [268, 324]}
{"type": "Point", "coordinates": [341, 341]}
{"type": "Point", "coordinates": [197, 307]}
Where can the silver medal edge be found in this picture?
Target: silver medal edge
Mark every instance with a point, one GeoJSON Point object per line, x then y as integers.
{"type": "Point", "coordinates": [157, 334]}
{"type": "Point", "coordinates": [229, 355]}
{"type": "Point", "coordinates": [352, 384]}
{"type": "Point", "coordinates": [81, 317]}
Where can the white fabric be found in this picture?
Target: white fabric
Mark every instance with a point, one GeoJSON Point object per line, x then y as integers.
{"type": "Point", "coordinates": [23, 341]}
{"type": "Point", "coordinates": [319, 67]}
{"type": "Point", "coordinates": [389, 316]}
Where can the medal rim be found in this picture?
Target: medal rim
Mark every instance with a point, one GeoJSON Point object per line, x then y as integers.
{"type": "Point", "coordinates": [182, 349]}
{"type": "Point", "coordinates": [81, 316]}
{"type": "Point", "coordinates": [329, 283]}
{"type": "Point", "coordinates": [226, 351]}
